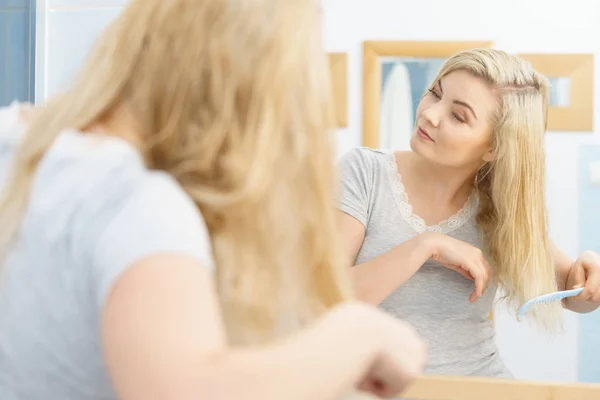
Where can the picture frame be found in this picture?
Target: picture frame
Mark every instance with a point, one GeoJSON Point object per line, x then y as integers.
{"type": "Point", "coordinates": [576, 71]}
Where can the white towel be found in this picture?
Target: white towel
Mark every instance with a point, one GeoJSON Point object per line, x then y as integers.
{"type": "Point", "coordinates": [396, 115]}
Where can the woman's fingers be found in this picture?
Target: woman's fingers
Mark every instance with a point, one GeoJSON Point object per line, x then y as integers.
{"type": "Point", "coordinates": [481, 273]}
{"type": "Point", "coordinates": [470, 263]}
{"type": "Point", "coordinates": [461, 270]}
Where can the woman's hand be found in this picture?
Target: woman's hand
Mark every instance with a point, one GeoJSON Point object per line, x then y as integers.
{"type": "Point", "coordinates": [585, 273]}
{"type": "Point", "coordinates": [400, 356]}
{"type": "Point", "coordinates": [461, 257]}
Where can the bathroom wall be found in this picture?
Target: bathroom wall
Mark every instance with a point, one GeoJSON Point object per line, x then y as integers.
{"type": "Point", "coordinates": [66, 28]}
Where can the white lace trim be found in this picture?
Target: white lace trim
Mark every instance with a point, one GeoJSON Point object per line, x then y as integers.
{"type": "Point", "coordinates": [417, 223]}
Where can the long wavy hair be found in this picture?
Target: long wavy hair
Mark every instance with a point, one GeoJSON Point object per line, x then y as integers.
{"type": "Point", "coordinates": [511, 188]}
{"type": "Point", "coordinates": [232, 99]}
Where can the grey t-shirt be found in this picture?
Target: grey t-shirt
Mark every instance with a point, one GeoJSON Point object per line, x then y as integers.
{"type": "Point", "coordinates": [459, 334]}
{"type": "Point", "coordinates": [94, 210]}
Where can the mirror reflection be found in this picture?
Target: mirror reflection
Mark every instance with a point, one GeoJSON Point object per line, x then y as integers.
{"type": "Point", "coordinates": [404, 80]}
{"type": "Point", "coordinates": [559, 91]}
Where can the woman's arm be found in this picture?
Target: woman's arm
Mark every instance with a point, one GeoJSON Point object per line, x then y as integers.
{"type": "Point", "coordinates": [376, 279]}
{"type": "Point", "coordinates": [163, 339]}
{"type": "Point", "coordinates": [562, 264]}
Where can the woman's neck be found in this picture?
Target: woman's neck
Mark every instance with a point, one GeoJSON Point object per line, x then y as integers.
{"type": "Point", "coordinates": [442, 184]}
{"type": "Point", "coordinates": [117, 123]}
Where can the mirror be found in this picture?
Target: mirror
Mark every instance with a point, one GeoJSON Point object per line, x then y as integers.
{"type": "Point", "coordinates": [404, 81]}
{"type": "Point", "coordinates": [395, 76]}
{"type": "Point", "coordinates": [560, 91]}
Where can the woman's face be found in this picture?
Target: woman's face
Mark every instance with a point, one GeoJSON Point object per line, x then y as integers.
{"type": "Point", "coordinates": [453, 125]}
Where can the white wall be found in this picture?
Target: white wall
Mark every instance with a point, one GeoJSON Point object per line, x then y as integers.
{"type": "Point", "coordinates": [535, 26]}
{"type": "Point", "coordinates": [66, 28]}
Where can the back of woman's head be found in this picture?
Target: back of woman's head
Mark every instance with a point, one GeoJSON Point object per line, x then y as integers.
{"type": "Point", "coordinates": [231, 98]}
{"type": "Point", "coordinates": [511, 186]}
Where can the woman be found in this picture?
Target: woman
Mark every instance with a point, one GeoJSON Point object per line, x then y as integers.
{"type": "Point", "coordinates": [194, 138]}
{"type": "Point", "coordinates": [470, 192]}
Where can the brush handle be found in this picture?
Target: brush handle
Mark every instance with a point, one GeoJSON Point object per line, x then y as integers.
{"type": "Point", "coordinates": [560, 295]}
{"type": "Point", "coordinates": [555, 296]}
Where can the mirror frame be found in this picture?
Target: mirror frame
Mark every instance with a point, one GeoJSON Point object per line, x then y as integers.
{"type": "Point", "coordinates": [471, 388]}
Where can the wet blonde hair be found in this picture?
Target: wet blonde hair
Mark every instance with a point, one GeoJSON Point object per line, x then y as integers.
{"type": "Point", "coordinates": [511, 188]}
{"type": "Point", "coordinates": [231, 98]}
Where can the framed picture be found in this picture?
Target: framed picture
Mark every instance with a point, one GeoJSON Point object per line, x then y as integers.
{"type": "Point", "coordinates": [572, 95]}
{"type": "Point", "coordinates": [395, 76]}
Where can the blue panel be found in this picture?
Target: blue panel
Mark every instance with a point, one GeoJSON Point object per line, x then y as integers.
{"type": "Point", "coordinates": [85, 3]}
{"type": "Point", "coordinates": [3, 56]}
{"type": "Point", "coordinates": [17, 68]}
{"type": "Point", "coordinates": [31, 50]}
{"type": "Point", "coordinates": [419, 82]}
{"type": "Point", "coordinates": [12, 4]}
{"type": "Point", "coordinates": [589, 239]}
{"type": "Point", "coordinates": [17, 50]}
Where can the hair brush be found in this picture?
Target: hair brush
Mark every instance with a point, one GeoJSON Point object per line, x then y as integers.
{"type": "Point", "coordinates": [548, 298]}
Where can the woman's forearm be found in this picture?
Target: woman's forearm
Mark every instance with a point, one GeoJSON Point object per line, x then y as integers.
{"type": "Point", "coordinates": [321, 363]}
{"type": "Point", "coordinates": [376, 279]}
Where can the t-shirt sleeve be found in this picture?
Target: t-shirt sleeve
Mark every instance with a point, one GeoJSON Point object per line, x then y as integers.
{"type": "Point", "coordinates": [356, 178]}
{"type": "Point", "coordinates": [130, 214]}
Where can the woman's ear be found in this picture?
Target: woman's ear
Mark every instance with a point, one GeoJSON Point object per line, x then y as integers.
{"type": "Point", "coordinates": [489, 156]}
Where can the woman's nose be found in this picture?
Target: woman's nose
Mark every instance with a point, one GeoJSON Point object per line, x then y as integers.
{"type": "Point", "coordinates": [432, 115]}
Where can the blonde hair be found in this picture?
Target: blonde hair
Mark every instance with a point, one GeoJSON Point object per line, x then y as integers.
{"type": "Point", "coordinates": [232, 100]}
{"type": "Point", "coordinates": [511, 188]}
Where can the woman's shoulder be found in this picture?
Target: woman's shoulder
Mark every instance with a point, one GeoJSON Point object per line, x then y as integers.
{"type": "Point", "coordinates": [106, 167]}
{"type": "Point", "coordinates": [367, 152]}
{"type": "Point", "coordinates": [366, 158]}
{"type": "Point", "coordinates": [96, 180]}
{"type": "Point", "coordinates": [87, 163]}
{"type": "Point", "coordinates": [94, 199]}
{"type": "Point", "coordinates": [86, 170]}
